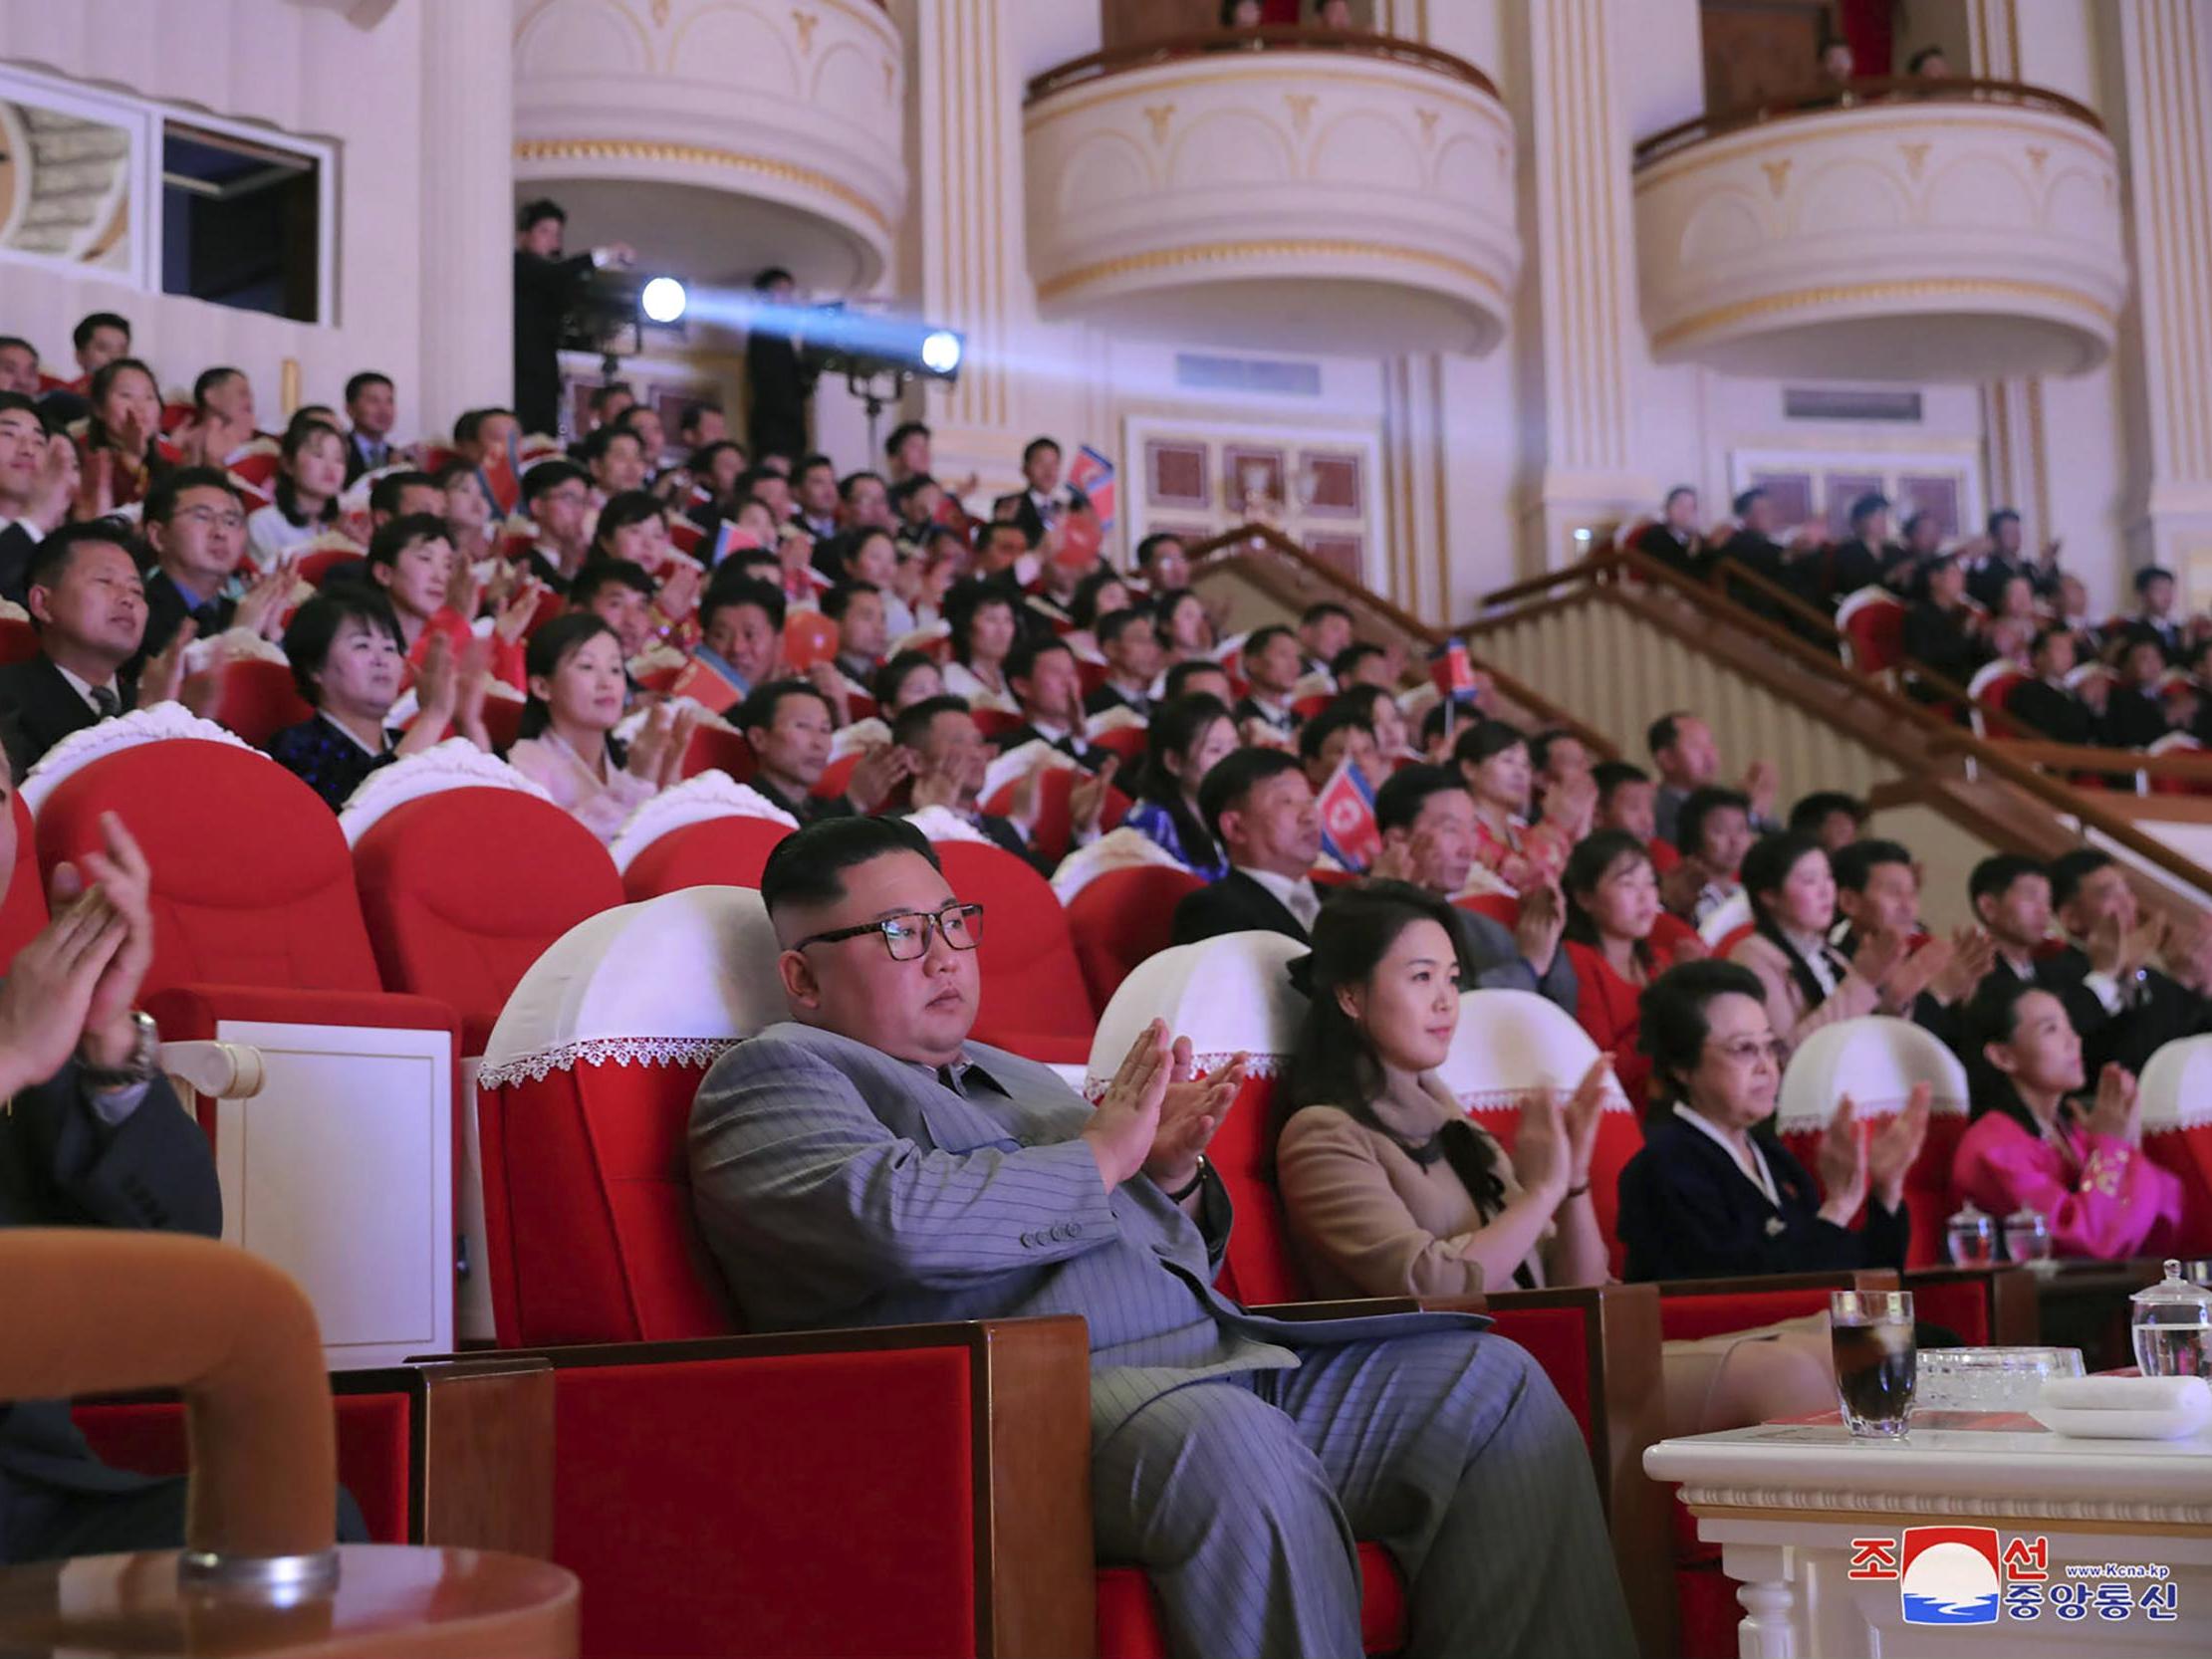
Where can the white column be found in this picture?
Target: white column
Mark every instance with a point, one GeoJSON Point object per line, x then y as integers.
{"type": "Point", "coordinates": [2166, 65]}
{"type": "Point", "coordinates": [469, 213]}
{"type": "Point", "coordinates": [1585, 303]}
{"type": "Point", "coordinates": [968, 216]}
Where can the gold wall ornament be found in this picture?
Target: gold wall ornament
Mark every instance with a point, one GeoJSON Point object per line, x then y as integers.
{"type": "Point", "coordinates": [804, 23]}
{"type": "Point", "coordinates": [1916, 157]}
{"type": "Point", "coordinates": [699, 156]}
{"type": "Point", "coordinates": [1778, 177]}
{"type": "Point", "coordinates": [1302, 111]}
{"type": "Point", "coordinates": [660, 14]}
{"type": "Point", "coordinates": [1931, 287]}
{"type": "Point", "coordinates": [2037, 156]}
{"type": "Point", "coordinates": [1429, 120]}
{"type": "Point", "coordinates": [1159, 114]}
{"type": "Point", "coordinates": [1221, 253]}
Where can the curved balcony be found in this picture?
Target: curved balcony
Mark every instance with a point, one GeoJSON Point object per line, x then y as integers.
{"type": "Point", "coordinates": [1275, 189]}
{"type": "Point", "coordinates": [1922, 230]}
{"type": "Point", "coordinates": [718, 135]}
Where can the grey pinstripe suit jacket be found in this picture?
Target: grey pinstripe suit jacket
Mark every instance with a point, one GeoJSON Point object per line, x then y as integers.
{"type": "Point", "coordinates": [836, 1185]}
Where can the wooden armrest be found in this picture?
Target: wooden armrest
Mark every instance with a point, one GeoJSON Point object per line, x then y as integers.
{"type": "Point", "coordinates": [1844, 1279]}
{"type": "Point", "coordinates": [1036, 1569]}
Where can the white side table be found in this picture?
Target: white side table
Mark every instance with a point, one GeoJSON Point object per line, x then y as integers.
{"type": "Point", "coordinates": [1814, 1525]}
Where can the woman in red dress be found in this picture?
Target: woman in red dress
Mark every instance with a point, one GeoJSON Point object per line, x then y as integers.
{"type": "Point", "coordinates": [1619, 939]}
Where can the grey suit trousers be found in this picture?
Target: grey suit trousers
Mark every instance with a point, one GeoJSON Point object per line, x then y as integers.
{"type": "Point", "coordinates": [1241, 1497]}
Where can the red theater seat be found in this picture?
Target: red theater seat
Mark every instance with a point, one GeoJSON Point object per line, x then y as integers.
{"type": "Point", "coordinates": [464, 889]}
{"type": "Point", "coordinates": [23, 900]}
{"type": "Point", "coordinates": [717, 852]}
{"type": "Point", "coordinates": [258, 699]}
{"type": "Point", "coordinates": [18, 641]}
{"type": "Point", "coordinates": [1034, 1001]}
{"type": "Point", "coordinates": [1121, 918]}
{"type": "Point", "coordinates": [1054, 827]}
{"type": "Point", "coordinates": [712, 748]}
{"type": "Point", "coordinates": [1872, 622]}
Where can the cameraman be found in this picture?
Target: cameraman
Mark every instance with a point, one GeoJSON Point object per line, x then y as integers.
{"type": "Point", "coordinates": [547, 288]}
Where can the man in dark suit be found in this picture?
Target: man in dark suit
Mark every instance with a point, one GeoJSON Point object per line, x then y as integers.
{"type": "Point", "coordinates": [2004, 559]}
{"type": "Point", "coordinates": [789, 723]}
{"type": "Point", "coordinates": [547, 287]}
{"type": "Point", "coordinates": [372, 408]}
{"type": "Point", "coordinates": [2155, 615]}
{"type": "Point", "coordinates": [776, 375]}
{"type": "Point", "coordinates": [38, 476]}
{"type": "Point", "coordinates": [2122, 1003]}
{"type": "Point", "coordinates": [1260, 808]}
{"type": "Point", "coordinates": [1672, 537]}
{"type": "Point", "coordinates": [1046, 500]}
{"type": "Point", "coordinates": [195, 526]}
{"type": "Point", "coordinates": [1129, 642]}
{"type": "Point", "coordinates": [1272, 666]}
{"type": "Point", "coordinates": [1754, 547]}
{"type": "Point", "coordinates": [949, 758]}
{"type": "Point", "coordinates": [1041, 673]}
{"type": "Point", "coordinates": [1944, 632]}
{"type": "Point", "coordinates": [92, 1136]}
{"type": "Point", "coordinates": [2135, 714]}
{"type": "Point", "coordinates": [2045, 703]}
{"type": "Point", "coordinates": [1862, 560]}
{"type": "Point", "coordinates": [90, 609]}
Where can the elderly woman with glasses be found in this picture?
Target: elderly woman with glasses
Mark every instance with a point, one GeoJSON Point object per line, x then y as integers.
{"type": "Point", "coordinates": [1713, 1192]}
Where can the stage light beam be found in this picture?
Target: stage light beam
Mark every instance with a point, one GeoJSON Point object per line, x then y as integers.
{"type": "Point", "coordinates": [663, 299]}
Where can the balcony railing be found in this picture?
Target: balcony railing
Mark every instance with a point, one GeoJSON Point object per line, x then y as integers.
{"type": "Point", "coordinates": [1276, 37]}
{"type": "Point", "coordinates": [1860, 94]}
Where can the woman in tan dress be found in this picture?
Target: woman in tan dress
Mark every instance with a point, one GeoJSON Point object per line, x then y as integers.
{"type": "Point", "coordinates": [1391, 1191]}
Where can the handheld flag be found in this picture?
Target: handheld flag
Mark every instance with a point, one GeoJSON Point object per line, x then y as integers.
{"type": "Point", "coordinates": [1348, 828]}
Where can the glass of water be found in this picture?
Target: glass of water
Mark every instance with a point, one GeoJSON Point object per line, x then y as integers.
{"type": "Point", "coordinates": [2172, 1321]}
{"type": "Point", "coordinates": [1971, 1238]}
{"type": "Point", "coordinates": [2026, 1236]}
{"type": "Point", "coordinates": [1876, 1362]}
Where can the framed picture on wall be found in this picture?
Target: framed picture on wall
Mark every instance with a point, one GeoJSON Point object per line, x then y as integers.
{"type": "Point", "coordinates": [1175, 474]}
{"type": "Point", "coordinates": [1817, 486]}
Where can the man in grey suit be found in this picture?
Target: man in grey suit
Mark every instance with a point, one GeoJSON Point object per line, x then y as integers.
{"type": "Point", "coordinates": [865, 1164]}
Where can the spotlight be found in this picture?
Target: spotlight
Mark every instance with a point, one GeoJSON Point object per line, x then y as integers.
{"type": "Point", "coordinates": [613, 308]}
{"type": "Point", "coordinates": [662, 300]}
{"type": "Point", "coordinates": [941, 351]}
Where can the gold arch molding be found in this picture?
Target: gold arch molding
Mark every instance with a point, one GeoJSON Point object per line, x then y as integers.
{"type": "Point", "coordinates": [1933, 288]}
{"type": "Point", "coordinates": [699, 156]}
{"type": "Point", "coordinates": [1217, 253]}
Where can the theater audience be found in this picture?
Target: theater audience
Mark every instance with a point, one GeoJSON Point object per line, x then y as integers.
{"type": "Point", "coordinates": [1048, 690]}
{"type": "Point", "coordinates": [348, 661]}
{"type": "Point", "coordinates": [983, 629]}
{"type": "Point", "coordinates": [1324, 630]}
{"type": "Point", "coordinates": [195, 528]}
{"type": "Point", "coordinates": [89, 605]}
{"type": "Point", "coordinates": [1943, 631]}
{"type": "Point", "coordinates": [556, 496]}
{"type": "Point", "coordinates": [869, 553]}
{"type": "Point", "coordinates": [2043, 699]}
{"type": "Point", "coordinates": [547, 287]}
{"type": "Point", "coordinates": [1380, 709]}
{"type": "Point", "coordinates": [1831, 818]}
{"type": "Point", "coordinates": [1625, 801]}
{"type": "Point", "coordinates": [909, 1167]}
{"type": "Point", "coordinates": [858, 609]}
{"type": "Point", "coordinates": [1259, 808]}
{"type": "Point", "coordinates": [121, 452]}
{"type": "Point", "coordinates": [38, 484]}
{"type": "Point", "coordinates": [19, 366]}
{"type": "Point", "coordinates": [2011, 898]}
{"type": "Point", "coordinates": [620, 594]}
{"type": "Point", "coordinates": [1687, 757]}
{"type": "Point", "coordinates": [1272, 666]}
{"type": "Point", "coordinates": [814, 488]}
{"type": "Point", "coordinates": [1492, 756]}
{"type": "Point", "coordinates": [1868, 555]}
{"type": "Point", "coordinates": [1388, 1188]}
{"type": "Point", "coordinates": [311, 471]}
{"type": "Point", "coordinates": [1362, 663]}
{"type": "Point", "coordinates": [1339, 733]}
{"type": "Point", "coordinates": [614, 456]}
{"type": "Point", "coordinates": [789, 724]}
{"type": "Point", "coordinates": [1163, 564]}
{"type": "Point", "coordinates": [1673, 537]}
{"type": "Point", "coordinates": [1187, 737]}
{"type": "Point", "coordinates": [949, 760]}
{"type": "Point", "coordinates": [909, 677]}
{"type": "Point", "coordinates": [399, 493]}
{"type": "Point", "coordinates": [2115, 973]}
{"type": "Point", "coordinates": [1046, 499]}
{"type": "Point", "coordinates": [1708, 1197]}
{"type": "Point", "coordinates": [2004, 558]}
{"type": "Point", "coordinates": [2034, 1146]}
{"type": "Point", "coordinates": [1806, 982]}
{"type": "Point", "coordinates": [2135, 714]}
{"type": "Point", "coordinates": [1428, 825]}
{"type": "Point", "coordinates": [1715, 832]}
{"type": "Point", "coordinates": [779, 380]}
{"type": "Point", "coordinates": [567, 743]}
{"type": "Point", "coordinates": [1132, 653]}
{"type": "Point", "coordinates": [1613, 910]}
{"type": "Point", "coordinates": [1752, 546]}
{"type": "Point", "coordinates": [222, 421]}
{"type": "Point", "coordinates": [1186, 628]}
{"type": "Point", "coordinates": [371, 411]}
{"type": "Point", "coordinates": [2154, 604]}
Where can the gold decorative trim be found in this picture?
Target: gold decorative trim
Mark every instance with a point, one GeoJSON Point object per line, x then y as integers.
{"type": "Point", "coordinates": [1049, 109]}
{"type": "Point", "coordinates": [1743, 142]}
{"type": "Point", "coordinates": [1219, 253]}
{"type": "Point", "coordinates": [698, 155]}
{"type": "Point", "coordinates": [1931, 287]}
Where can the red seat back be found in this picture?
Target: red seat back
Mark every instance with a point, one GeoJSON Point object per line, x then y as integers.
{"type": "Point", "coordinates": [18, 641]}
{"type": "Point", "coordinates": [262, 894]}
{"type": "Point", "coordinates": [715, 852]}
{"type": "Point", "coordinates": [712, 746]}
{"type": "Point", "coordinates": [1052, 831]}
{"type": "Point", "coordinates": [317, 567]}
{"type": "Point", "coordinates": [1121, 918]}
{"type": "Point", "coordinates": [1875, 627]}
{"type": "Point", "coordinates": [1034, 1001]}
{"type": "Point", "coordinates": [1258, 1266]}
{"type": "Point", "coordinates": [23, 900]}
{"type": "Point", "coordinates": [994, 724]}
{"type": "Point", "coordinates": [463, 889]}
{"type": "Point", "coordinates": [257, 701]}
{"type": "Point", "coordinates": [1125, 741]}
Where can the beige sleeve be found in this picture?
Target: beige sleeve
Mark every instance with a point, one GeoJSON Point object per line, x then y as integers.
{"type": "Point", "coordinates": [1340, 1204]}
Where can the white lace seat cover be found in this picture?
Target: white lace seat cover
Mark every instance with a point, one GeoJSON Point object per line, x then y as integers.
{"type": "Point", "coordinates": [672, 980]}
{"type": "Point", "coordinates": [162, 723]}
{"type": "Point", "coordinates": [2176, 1093]}
{"type": "Point", "coordinates": [1228, 995]}
{"type": "Point", "coordinates": [708, 795]}
{"type": "Point", "coordinates": [455, 763]}
{"type": "Point", "coordinates": [1877, 1060]}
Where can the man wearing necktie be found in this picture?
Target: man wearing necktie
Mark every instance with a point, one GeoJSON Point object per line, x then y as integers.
{"type": "Point", "coordinates": [90, 609]}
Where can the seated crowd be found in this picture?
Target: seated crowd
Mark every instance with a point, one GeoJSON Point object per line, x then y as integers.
{"type": "Point", "coordinates": [1983, 607]}
{"type": "Point", "coordinates": [886, 671]}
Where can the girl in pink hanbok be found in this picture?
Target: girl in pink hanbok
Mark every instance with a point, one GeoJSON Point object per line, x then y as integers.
{"type": "Point", "coordinates": [2033, 1146]}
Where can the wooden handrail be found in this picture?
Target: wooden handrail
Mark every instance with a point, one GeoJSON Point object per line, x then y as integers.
{"type": "Point", "coordinates": [1273, 37]}
{"type": "Point", "coordinates": [1862, 93]}
{"type": "Point", "coordinates": [1234, 549]}
{"type": "Point", "coordinates": [2184, 765]}
{"type": "Point", "coordinates": [1940, 733]}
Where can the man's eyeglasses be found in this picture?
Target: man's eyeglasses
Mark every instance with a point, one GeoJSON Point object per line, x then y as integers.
{"type": "Point", "coordinates": [906, 934]}
{"type": "Point", "coordinates": [231, 520]}
{"type": "Point", "coordinates": [1746, 1052]}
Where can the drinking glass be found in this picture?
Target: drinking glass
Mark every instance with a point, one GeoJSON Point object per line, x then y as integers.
{"type": "Point", "coordinates": [1871, 1336]}
{"type": "Point", "coordinates": [2026, 1236]}
{"type": "Point", "coordinates": [1971, 1238]}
